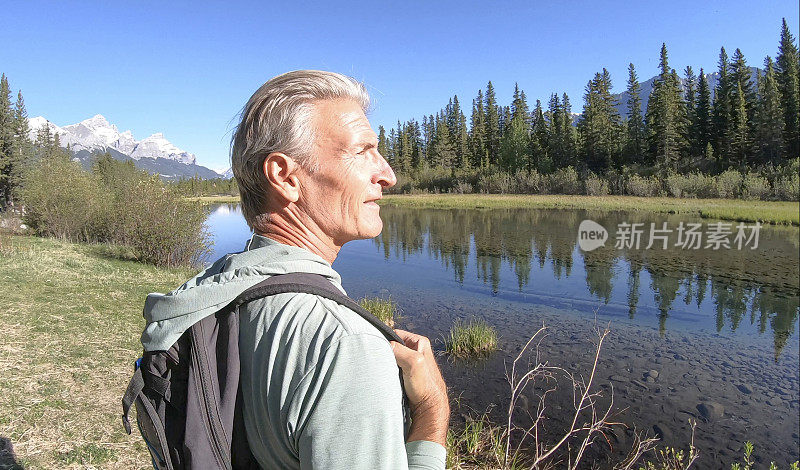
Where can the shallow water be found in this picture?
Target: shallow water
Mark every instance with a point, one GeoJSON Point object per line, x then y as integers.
{"type": "Point", "coordinates": [711, 322]}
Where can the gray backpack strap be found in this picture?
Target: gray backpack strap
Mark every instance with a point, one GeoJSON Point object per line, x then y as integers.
{"type": "Point", "coordinates": [315, 284]}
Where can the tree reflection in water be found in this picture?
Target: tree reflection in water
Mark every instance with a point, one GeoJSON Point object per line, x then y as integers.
{"type": "Point", "coordinates": [760, 286]}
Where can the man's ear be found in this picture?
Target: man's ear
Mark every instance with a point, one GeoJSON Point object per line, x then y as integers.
{"type": "Point", "coordinates": [281, 174]}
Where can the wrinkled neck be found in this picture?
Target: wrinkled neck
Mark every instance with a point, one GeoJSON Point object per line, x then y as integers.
{"type": "Point", "coordinates": [290, 227]}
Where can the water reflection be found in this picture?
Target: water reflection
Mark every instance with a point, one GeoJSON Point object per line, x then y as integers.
{"type": "Point", "coordinates": [723, 287]}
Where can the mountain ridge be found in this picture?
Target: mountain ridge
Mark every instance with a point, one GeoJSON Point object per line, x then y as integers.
{"type": "Point", "coordinates": [154, 154]}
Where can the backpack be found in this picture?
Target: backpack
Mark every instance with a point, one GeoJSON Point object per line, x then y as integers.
{"type": "Point", "coordinates": [188, 399]}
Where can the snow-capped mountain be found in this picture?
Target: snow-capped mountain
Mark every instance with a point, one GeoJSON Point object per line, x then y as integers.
{"type": "Point", "coordinates": [154, 154]}
{"type": "Point", "coordinates": [97, 134]}
{"type": "Point", "coordinates": [226, 174]}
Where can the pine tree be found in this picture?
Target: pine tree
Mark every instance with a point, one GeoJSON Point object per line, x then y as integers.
{"type": "Point", "coordinates": [6, 141]}
{"type": "Point", "coordinates": [769, 116]}
{"type": "Point", "coordinates": [457, 124]}
{"type": "Point", "coordinates": [515, 141]}
{"type": "Point", "coordinates": [740, 144]}
{"type": "Point", "coordinates": [555, 144]}
{"type": "Point", "coordinates": [382, 143]}
{"type": "Point", "coordinates": [443, 154]}
{"type": "Point", "coordinates": [568, 131]}
{"type": "Point", "coordinates": [477, 141]}
{"type": "Point", "coordinates": [404, 148]}
{"type": "Point", "coordinates": [539, 158]}
{"type": "Point", "coordinates": [723, 130]}
{"type": "Point", "coordinates": [462, 142]}
{"type": "Point", "coordinates": [744, 97]}
{"type": "Point", "coordinates": [704, 125]}
{"type": "Point", "coordinates": [788, 79]}
{"type": "Point", "coordinates": [519, 108]}
{"type": "Point", "coordinates": [666, 118]}
{"type": "Point", "coordinates": [428, 131]}
{"type": "Point", "coordinates": [22, 152]}
{"type": "Point", "coordinates": [415, 139]}
{"type": "Point", "coordinates": [392, 150]}
{"type": "Point", "coordinates": [492, 125]}
{"type": "Point", "coordinates": [635, 141]}
{"type": "Point", "coordinates": [690, 98]}
{"type": "Point", "coordinates": [600, 125]}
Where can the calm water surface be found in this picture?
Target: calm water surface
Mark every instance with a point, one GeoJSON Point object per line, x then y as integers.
{"type": "Point", "coordinates": [720, 325]}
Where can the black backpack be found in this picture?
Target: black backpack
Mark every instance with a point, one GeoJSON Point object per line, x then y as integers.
{"type": "Point", "coordinates": [188, 400]}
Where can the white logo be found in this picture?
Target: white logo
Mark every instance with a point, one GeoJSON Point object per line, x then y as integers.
{"type": "Point", "coordinates": [591, 235]}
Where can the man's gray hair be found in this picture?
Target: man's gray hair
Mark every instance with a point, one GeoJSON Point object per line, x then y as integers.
{"type": "Point", "coordinates": [277, 118]}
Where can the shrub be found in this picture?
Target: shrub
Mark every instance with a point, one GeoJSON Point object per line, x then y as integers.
{"type": "Point", "coordinates": [565, 181]}
{"type": "Point", "coordinates": [643, 186]}
{"type": "Point", "coordinates": [434, 180]}
{"type": "Point", "coordinates": [596, 186]}
{"type": "Point", "coordinates": [676, 185]}
{"type": "Point", "coordinates": [755, 186]}
{"type": "Point", "coordinates": [462, 187]}
{"type": "Point", "coordinates": [472, 338]}
{"type": "Point", "coordinates": [787, 188]}
{"type": "Point", "coordinates": [528, 182]}
{"type": "Point", "coordinates": [63, 201]}
{"type": "Point", "coordinates": [495, 183]}
{"type": "Point", "coordinates": [116, 204]}
{"type": "Point", "coordinates": [728, 184]}
{"type": "Point", "coordinates": [383, 309]}
{"type": "Point", "coordinates": [161, 227]}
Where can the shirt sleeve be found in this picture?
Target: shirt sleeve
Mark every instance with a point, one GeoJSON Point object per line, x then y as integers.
{"type": "Point", "coordinates": [349, 411]}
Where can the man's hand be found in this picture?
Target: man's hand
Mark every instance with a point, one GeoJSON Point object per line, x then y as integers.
{"type": "Point", "coordinates": [426, 390]}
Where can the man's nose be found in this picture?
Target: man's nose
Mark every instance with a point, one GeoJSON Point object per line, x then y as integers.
{"type": "Point", "coordinates": [385, 175]}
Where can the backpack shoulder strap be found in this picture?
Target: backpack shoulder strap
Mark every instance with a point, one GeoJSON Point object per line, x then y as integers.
{"type": "Point", "coordinates": [315, 284]}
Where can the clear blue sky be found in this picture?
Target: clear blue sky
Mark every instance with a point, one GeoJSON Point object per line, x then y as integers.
{"type": "Point", "coordinates": [186, 68]}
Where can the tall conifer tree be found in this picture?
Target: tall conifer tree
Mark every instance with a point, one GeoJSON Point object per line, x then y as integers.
{"type": "Point", "coordinates": [6, 141]}
{"type": "Point", "coordinates": [723, 130]}
{"type": "Point", "coordinates": [478, 133]}
{"type": "Point", "coordinates": [600, 125]}
{"type": "Point", "coordinates": [704, 126]}
{"type": "Point", "coordinates": [769, 117]}
{"type": "Point", "coordinates": [788, 78]}
{"type": "Point", "coordinates": [539, 158]}
{"type": "Point", "coordinates": [492, 125]}
{"type": "Point", "coordinates": [666, 117]}
{"type": "Point", "coordinates": [635, 141]}
{"type": "Point", "coordinates": [690, 98]}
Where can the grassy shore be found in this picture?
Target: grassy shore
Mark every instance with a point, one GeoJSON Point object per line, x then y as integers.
{"type": "Point", "coordinates": [770, 212]}
{"type": "Point", "coordinates": [71, 316]}
{"type": "Point", "coordinates": [773, 212]}
{"type": "Point", "coordinates": [214, 199]}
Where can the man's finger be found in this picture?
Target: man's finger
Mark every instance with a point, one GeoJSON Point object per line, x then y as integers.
{"type": "Point", "coordinates": [404, 356]}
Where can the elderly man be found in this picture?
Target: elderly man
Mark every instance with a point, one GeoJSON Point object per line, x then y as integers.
{"type": "Point", "coordinates": [320, 385]}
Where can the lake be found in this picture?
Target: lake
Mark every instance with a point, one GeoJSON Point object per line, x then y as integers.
{"type": "Point", "coordinates": [703, 315]}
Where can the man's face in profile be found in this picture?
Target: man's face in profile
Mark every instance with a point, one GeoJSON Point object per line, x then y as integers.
{"type": "Point", "coordinates": [341, 196]}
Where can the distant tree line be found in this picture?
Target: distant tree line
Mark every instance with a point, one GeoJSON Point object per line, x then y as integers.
{"type": "Point", "coordinates": [196, 186]}
{"type": "Point", "coordinates": [743, 126]}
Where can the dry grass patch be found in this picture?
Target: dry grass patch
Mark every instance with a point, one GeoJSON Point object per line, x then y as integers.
{"type": "Point", "coordinates": [72, 320]}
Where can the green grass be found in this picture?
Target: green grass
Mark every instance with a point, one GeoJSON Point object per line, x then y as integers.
{"type": "Point", "coordinates": [470, 339]}
{"type": "Point", "coordinates": [479, 444]}
{"type": "Point", "coordinates": [214, 199]}
{"type": "Point", "coordinates": [773, 212]}
{"type": "Point", "coordinates": [383, 309]}
{"type": "Point", "coordinates": [71, 316]}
